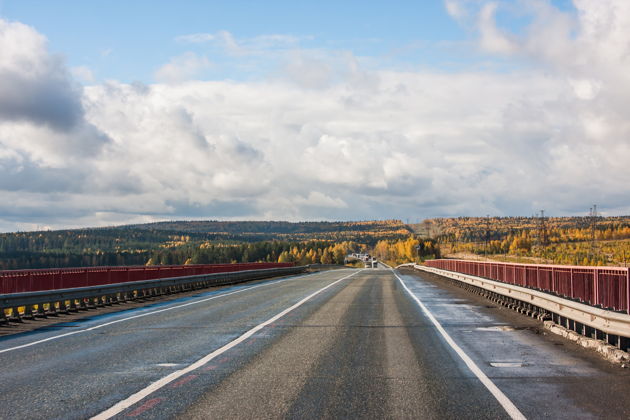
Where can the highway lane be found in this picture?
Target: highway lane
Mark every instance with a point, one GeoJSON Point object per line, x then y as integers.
{"type": "Point", "coordinates": [543, 375]}
{"type": "Point", "coordinates": [115, 355]}
{"type": "Point", "coordinates": [362, 347]}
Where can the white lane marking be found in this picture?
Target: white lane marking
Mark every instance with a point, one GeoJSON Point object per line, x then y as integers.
{"type": "Point", "coordinates": [56, 337]}
{"type": "Point", "coordinates": [505, 402]}
{"type": "Point", "coordinates": [160, 383]}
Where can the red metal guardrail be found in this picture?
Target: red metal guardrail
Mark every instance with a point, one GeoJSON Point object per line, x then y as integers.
{"type": "Point", "coordinates": [19, 281]}
{"type": "Point", "coordinates": [607, 287]}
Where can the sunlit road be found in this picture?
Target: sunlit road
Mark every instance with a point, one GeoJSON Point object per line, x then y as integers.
{"type": "Point", "coordinates": [338, 344]}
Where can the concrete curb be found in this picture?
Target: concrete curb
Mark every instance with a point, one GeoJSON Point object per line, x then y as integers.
{"type": "Point", "coordinates": [609, 352]}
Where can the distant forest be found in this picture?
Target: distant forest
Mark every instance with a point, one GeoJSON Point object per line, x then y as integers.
{"type": "Point", "coordinates": [560, 240]}
{"type": "Point", "coordinates": [198, 242]}
{"type": "Point", "coordinates": [586, 240]}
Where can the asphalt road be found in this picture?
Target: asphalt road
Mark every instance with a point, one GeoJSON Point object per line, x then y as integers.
{"type": "Point", "coordinates": [337, 344]}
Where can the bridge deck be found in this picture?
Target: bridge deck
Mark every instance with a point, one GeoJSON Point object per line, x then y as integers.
{"type": "Point", "coordinates": [362, 347]}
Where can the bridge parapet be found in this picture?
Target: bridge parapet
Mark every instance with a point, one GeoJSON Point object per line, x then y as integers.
{"type": "Point", "coordinates": [604, 287]}
{"type": "Point", "coordinates": [50, 302]}
{"type": "Point", "coordinates": [21, 281]}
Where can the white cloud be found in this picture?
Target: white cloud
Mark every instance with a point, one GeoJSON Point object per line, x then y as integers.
{"type": "Point", "coordinates": [243, 46]}
{"type": "Point", "coordinates": [340, 142]}
{"type": "Point", "coordinates": [181, 68]}
{"type": "Point", "coordinates": [585, 89]}
{"type": "Point", "coordinates": [318, 199]}
{"type": "Point", "coordinates": [197, 38]}
{"type": "Point", "coordinates": [42, 117]}
{"type": "Point", "coordinates": [35, 85]}
{"type": "Point", "coordinates": [83, 73]}
{"type": "Point", "coordinates": [492, 38]}
{"type": "Point", "coordinates": [455, 9]}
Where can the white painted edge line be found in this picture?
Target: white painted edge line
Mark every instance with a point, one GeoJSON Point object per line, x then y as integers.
{"type": "Point", "coordinates": [56, 337]}
{"type": "Point", "coordinates": [160, 383]}
{"type": "Point", "coordinates": [505, 402]}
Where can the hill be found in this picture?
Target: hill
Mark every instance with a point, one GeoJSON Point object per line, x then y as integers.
{"type": "Point", "coordinates": [278, 230]}
{"type": "Point", "coordinates": [575, 240]}
{"type": "Point", "coordinates": [177, 242]}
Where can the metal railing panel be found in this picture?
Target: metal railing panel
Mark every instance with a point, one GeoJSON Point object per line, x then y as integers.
{"type": "Point", "coordinates": [61, 299]}
{"type": "Point", "coordinates": [607, 287]}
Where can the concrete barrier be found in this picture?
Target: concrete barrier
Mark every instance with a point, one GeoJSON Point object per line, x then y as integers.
{"type": "Point", "coordinates": [609, 326]}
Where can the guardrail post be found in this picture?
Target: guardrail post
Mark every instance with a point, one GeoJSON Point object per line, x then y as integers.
{"type": "Point", "coordinates": [28, 312]}
{"type": "Point", "coordinates": [73, 306]}
{"type": "Point", "coordinates": [589, 332]}
{"type": "Point", "coordinates": [52, 309]}
{"type": "Point", "coordinates": [62, 307]}
{"type": "Point", "coordinates": [15, 315]}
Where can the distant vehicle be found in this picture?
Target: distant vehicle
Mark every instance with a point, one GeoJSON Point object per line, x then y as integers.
{"type": "Point", "coordinates": [371, 263]}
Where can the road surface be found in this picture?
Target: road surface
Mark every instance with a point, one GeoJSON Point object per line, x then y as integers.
{"type": "Point", "coordinates": [346, 343]}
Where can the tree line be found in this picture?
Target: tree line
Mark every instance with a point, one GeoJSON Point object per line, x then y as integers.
{"type": "Point", "coordinates": [201, 242]}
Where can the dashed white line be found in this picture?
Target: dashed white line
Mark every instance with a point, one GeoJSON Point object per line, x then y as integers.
{"type": "Point", "coordinates": [505, 402]}
{"type": "Point", "coordinates": [140, 395]}
{"type": "Point", "coordinates": [56, 337]}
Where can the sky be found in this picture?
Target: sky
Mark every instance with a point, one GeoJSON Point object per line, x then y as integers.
{"type": "Point", "coordinates": [128, 112]}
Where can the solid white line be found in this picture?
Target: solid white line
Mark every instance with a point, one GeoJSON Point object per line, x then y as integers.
{"type": "Point", "coordinates": [141, 315]}
{"type": "Point", "coordinates": [505, 402]}
{"type": "Point", "coordinates": [160, 383]}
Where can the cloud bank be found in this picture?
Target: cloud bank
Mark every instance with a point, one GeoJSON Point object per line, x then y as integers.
{"type": "Point", "coordinates": [324, 138]}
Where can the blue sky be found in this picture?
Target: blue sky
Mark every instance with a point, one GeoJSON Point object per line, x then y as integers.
{"type": "Point", "coordinates": [141, 34]}
{"type": "Point", "coordinates": [136, 111]}
{"type": "Point", "coordinates": [128, 40]}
